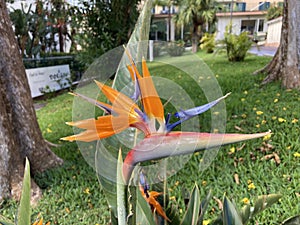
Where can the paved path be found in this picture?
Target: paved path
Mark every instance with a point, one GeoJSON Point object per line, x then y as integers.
{"type": "Point", "coordinates": [263, 50]}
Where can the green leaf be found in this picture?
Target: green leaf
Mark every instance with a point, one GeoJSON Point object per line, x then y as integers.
{"type": "Point", "coordinates": [204, 205]}
{"type": "Point", "coordinates": [295, 220]}
{"type": "Point", "coordinates": [106, 167]}
{"type": "Point", "coordinates": [245, 213]}
{"type": "Point", "coordinates": [24, 211]}
{"type": "Point", "coordinates": [192, 213]}
{"type": "Point", "coordinates": [143, 212]}
{"type": "Point", "coordinates": [230, 213]}
{"type": "Point", "coordinates": [138, 46]}
{"type": "Point", "coordinates": [121, 207]}
{"type": "Point", "coordinates": [262, 202]}
{"type": "Point", "coordinates": [106, 164]}
{"type": "Point", "coordinates": [5, 221]}
{"type": "Point", "coordinates": [172, 214]}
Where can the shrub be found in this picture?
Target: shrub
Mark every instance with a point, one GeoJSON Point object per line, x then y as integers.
{"type": "Point", "coordinates": [157, 48]}
{"type": "Point", "coordinates": [236, 45]}
{"type": "Point", "coordinates": [208, 42]}
{"type": "Point", "coordinates": [274, 12]}
{"type": "Point", "coordinates": [175, 48]}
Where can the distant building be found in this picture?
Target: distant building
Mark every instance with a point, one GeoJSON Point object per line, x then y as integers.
{"type": "Point", "coordinates": [162, 20]}
{"type": "Point", "coordinates": [244, 15]}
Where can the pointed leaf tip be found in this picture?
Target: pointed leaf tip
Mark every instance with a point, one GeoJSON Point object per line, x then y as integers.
{"type": "Point", "coordinates": [24, 210]}
{"type": "Point", "coordinates": [73, 94]}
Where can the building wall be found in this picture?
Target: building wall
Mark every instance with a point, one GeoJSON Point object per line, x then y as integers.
{"type": "Point", "coordinates": [237, 24]}
{"type": "Point", "coordinates": [251, 5]}
{"type": "Point", "coordinates": [274, 32]}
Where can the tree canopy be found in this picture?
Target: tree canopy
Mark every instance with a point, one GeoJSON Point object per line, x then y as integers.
{"type": "Point", "coordinates": [199, 13]}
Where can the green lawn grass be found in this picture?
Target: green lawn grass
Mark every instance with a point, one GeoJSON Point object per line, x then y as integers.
{"type": "Point", "coordinates": [72, 194]}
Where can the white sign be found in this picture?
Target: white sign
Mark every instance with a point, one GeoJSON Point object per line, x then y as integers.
{"type": "Point", "coordinates": [47, 79]}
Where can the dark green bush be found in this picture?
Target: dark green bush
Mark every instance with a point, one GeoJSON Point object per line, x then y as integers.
{"type": "Point", "coordinates": [175, 48]}
{"type": "Point", "coordinates": [158, 46]}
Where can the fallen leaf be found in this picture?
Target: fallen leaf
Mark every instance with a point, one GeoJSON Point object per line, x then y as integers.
{"type": "Point", "coordinates": [236, 178]}
{"type": "Point", "coordinates": [238, 128]}
{"type": "Point", "coordinates": [220, 204]}
{"type": "Point", "coordinates": [67, 210]}
{"type": "Point", "coordinates": [240, 148]}
{"type": "Point", "coordinates": [277, 159]}
{"type": "Point", "coordinates": [267, 157]}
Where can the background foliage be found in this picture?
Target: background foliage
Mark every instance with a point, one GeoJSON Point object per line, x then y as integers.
{"type": "Point", "coordinates": [94, 27]}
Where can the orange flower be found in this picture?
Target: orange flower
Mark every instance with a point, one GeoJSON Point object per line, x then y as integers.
{"type": "Point", "coordinates": [40, 222]}
{"type": "Point", "coordinates": [159, 141]}
{"type": "Point", "coordinates": [150, 197]}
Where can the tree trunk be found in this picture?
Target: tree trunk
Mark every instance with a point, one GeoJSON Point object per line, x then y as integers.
{"type": "Point", "coordinates": [285, 64]}
{"type": "Point", "coordinates": [61, 37]}
{"type": "Point", "coordinates": [20, 135]}
{"type": "Point", "coordinates": [195, 38]}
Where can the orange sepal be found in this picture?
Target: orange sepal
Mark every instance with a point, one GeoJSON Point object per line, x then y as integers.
{"type": "Point", "coordinates": [133, 70]}
{"type": "Point", "coordinates": [40, 222]}
{"type": "Point", "coordinates": [85, 136]}
{"type": "Point", "coordinates": [151, 200]}
{"type": "Point", "coordinates": [151, 101]}
{"type": "Point", "coordinates": [103, 127]}
{"type": "Point", "coordinates": [118, 99]}
{"type": "Point", "coordinates": [155, 204]}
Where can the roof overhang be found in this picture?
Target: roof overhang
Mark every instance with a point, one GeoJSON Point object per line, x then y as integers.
{"type": "Point", "coordinates": [246, 13]}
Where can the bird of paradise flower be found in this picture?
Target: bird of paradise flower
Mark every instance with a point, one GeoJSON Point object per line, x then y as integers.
{"type": "Point", "coordinates": [159, 139]}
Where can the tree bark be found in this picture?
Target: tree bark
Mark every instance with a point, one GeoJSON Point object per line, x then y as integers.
{"type": "Point", "coordinates": [285, 64]}
{"type": "Point", "coordinates": [20, 135]}
{"type": "Point", "coordinates": [195, 37]}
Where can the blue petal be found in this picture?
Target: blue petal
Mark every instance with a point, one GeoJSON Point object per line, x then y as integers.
{"type": "Point", "coordinates": [144, 184]}
{"type": "Point", "coordinates": [171, 126]}
{"type": "Point", "coordinates": [168, 118]}
{"type": "Point", "coordinates": [141, 114]}
{"type": "Point", "coordinates": [137, 91]}
{"type": "Point", "coordinates": [189, 113]}
{"type": "Point", "coordinates": [184, 115]}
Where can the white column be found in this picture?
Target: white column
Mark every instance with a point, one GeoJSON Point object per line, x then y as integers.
{"type": "Point", "coordinates": [167, 29]}
{"type": "Point", "coordinates": [172, 31]}
{"type": "Point", "coordinates": [182, 28]}
{"type": "Point", "coordinates": [150, 50]}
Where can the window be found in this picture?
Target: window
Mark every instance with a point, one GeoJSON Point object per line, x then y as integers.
{"type": "Point", "coordinates": [263, 6]}
{"type": "Point", "coordinates": [261, 26]}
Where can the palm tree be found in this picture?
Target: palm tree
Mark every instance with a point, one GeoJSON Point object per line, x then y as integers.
{"type": "Point", "coordinates": [199, 13]}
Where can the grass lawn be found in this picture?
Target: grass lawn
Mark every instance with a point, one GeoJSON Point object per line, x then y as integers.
{"type": "Point", "coordinates": [72, 194]}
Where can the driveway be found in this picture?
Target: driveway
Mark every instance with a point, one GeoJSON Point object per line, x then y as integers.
{"type": "Point", "coordinates": [263, 50]}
